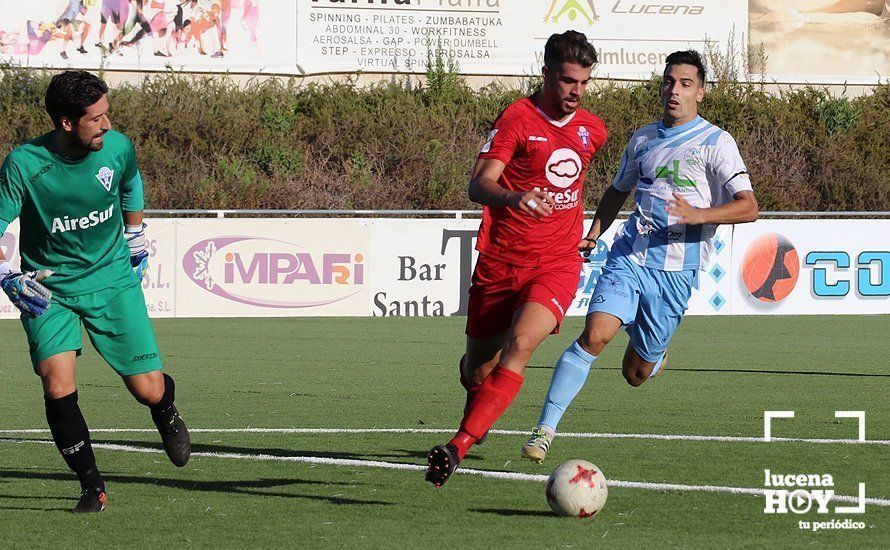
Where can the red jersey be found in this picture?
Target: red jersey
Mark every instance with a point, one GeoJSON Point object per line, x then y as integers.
{"type": "Point", "coordinates": [545, 154]}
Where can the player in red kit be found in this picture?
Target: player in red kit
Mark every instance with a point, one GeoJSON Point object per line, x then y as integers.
{"type": "Point", "coordinates": [528, 178]}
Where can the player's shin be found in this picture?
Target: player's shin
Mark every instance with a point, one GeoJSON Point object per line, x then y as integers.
{"type": "Point", "coordinates": [569, 376]}
{"type": "Point", "coordinates": [170, 425]}
{"type": "Point", "coordinates": [72, 438]}
{"type": "Point", "coordinates": [495, 395]}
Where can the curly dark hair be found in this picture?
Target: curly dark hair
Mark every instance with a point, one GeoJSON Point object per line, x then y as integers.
{"type": "Point", "coordinates": [70, 93]}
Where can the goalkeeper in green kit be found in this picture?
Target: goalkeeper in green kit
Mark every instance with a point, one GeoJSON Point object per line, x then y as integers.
{"type": "Point", "coordinates": [78, 195]}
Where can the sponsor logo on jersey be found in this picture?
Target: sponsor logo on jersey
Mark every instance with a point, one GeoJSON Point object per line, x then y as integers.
{"type": "Point", "coordinates": [537, 138]}
{"type": "Point", "coordinates": [94, 218]}
{"type": "Point", "coordinates": [563, 168]}
{"type": "Point", "coordinates": [40, 172]}
{"type": "Point", "coordinates": [672, 173]}
{"type": "Point", "coordinates": [572, 10]}
{"type": "Point", "coordinates": [105, 176]}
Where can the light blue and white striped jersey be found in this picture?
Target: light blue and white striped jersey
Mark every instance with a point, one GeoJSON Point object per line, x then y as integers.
{"type": "Point", "coordinates": [698, 160]}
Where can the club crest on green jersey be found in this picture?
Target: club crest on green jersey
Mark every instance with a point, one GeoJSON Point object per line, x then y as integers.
{"type": "Point", "coordinates": [105, 176]}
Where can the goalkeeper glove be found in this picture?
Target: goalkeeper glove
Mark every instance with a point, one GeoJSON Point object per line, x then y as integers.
{"type": "Point", "coordinates": [25, 291]}
{"type": "Point", "coordinates": [135, 235]}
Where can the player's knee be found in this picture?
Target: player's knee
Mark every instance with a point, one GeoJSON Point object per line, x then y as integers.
{"type": "Point", "coordinates": [635, 377]}
{"type": "Point", "coordinates": [593, 340]}
{"type": "Point", "coordinates": [521, 344]}
{"type": "Point", "coordinates": [56, 389]}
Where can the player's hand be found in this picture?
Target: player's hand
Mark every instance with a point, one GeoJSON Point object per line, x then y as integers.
{"type": "Point", "coordinates": [684, 212]}
{"type": "Point", "coordinates": [26, 293]}
{"type": "Point", "coordinates": [586, 245]}
{"type": "Point", "coordinates": [135, 235]}
{"type": "Point", "coordinates": [535, 203]}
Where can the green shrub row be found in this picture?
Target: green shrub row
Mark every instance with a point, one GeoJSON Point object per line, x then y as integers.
{"type": "Point", "coordinates": [207, 142]}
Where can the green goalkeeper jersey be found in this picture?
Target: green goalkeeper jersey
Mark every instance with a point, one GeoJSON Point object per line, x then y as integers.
{"type": "Point", "coordinates": [70, 212]}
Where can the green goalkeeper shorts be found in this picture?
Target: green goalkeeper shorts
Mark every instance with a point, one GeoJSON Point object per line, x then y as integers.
{"type": "Point", "coordinates": [116, 322]}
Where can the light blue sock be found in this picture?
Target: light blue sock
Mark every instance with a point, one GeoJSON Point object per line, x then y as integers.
{"type": "Point", "coordinates": [568, 379]}
{"type": "Point", "coordinates": [657, 366]}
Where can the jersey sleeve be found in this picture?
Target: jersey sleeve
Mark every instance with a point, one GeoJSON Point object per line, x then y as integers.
{"type": "Point", "coordinates": [12, 192]}
{"type": "Point", "coordinates": [132, 195]}
{"type": "Point", "coordinates": [504, 140]}
{"type": "Point", "coordinates": [628, 173]}
{"type": "Point", "coordinates": [728, 167]}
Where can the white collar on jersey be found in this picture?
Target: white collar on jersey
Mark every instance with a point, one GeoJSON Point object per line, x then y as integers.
{"type": "Point", "coordinates": [557, 123]}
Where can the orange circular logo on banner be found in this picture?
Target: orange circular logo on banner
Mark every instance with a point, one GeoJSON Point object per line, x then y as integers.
{"type": "Point", "coordinates": [770, 268]}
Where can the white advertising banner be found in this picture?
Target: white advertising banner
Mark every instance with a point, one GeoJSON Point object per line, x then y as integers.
{"type": "Point", "coordinates": [159, 284]}
{"type": "Point", "coordinates": [422, 267]}
{"type": "Point", "coordinates": [505, 37]}
{"type": "Point", "coordinates": [811, 267]}
{"type": "Point", "coordinates": [272, 268]}
{"type": "Point", "coordinates": [819, 41]}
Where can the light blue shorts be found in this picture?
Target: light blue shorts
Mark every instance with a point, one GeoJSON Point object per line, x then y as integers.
{"type": "Point", "coordinates": [649, 302]}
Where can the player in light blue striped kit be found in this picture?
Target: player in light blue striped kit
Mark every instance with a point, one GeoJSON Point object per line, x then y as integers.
{"type": "Point", "coordinates": [689, 178]}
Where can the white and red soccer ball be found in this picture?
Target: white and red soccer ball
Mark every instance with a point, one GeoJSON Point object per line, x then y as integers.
{"type": "Point", "coordinates": [577, 488]}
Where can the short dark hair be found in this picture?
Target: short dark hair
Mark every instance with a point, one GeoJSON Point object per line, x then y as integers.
{"type": "Point", "coordinates": [70, 93]}
{"type": "Point", "coordinates": [688, 57]}
{"type": "Point", "coordinates": [569, 47]}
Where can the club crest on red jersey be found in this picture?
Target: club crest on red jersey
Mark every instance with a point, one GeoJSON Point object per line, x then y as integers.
{"type": "Point", "coordinates": [584, 136]}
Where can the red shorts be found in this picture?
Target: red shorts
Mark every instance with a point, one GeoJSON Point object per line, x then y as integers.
{"type": "Point", "coordinates": [499, 289]}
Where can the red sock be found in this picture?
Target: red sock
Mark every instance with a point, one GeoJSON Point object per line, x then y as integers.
{"type": "Point", "coordinates": [493, 397]}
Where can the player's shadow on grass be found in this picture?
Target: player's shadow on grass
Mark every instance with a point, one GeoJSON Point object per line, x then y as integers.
{"type": "Point", "coordinates": [512, 513]}
{"type": "Point", "coordinates": [242, 487]}
{"type": "Point", "coordinates": [750, 371]}
{"type": "Point", "coordinates": [413, 453]}
{"type": "Point", "coordinates": [215, 448]}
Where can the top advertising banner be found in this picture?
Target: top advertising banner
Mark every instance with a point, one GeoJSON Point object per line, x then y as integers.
{"type": "Point", "coordinates": [501, 37]}
{"type": "Point", "coordinates": [802, 41]}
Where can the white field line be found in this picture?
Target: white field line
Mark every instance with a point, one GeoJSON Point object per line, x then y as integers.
{"type": "Point", "coordinates": [577, 435]}
{"type": "Point", "coordinates": [513, 476]}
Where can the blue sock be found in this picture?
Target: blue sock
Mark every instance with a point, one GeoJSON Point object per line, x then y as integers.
{"type": "Point", "coordinates": [568, 379]}
{"type": "Point", "coordinates": [657, 366]}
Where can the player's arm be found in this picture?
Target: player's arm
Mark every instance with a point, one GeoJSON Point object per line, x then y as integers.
{"type": "Point", "coordinates": [613, 198]}
{"type": "Point", "coordinates": [484, 189]}
{"type": "Point", "coordinates": [132, 204]}
{"type": "Point", "coordinates": [742, 208]}
{"type": "Point", "coordinates": [24, 289]}
{"type": "Point", "coordinates": [606, 212]}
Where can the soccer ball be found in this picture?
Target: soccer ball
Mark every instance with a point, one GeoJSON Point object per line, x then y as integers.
{"type": "Point", "coordinates": [577, 488]}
